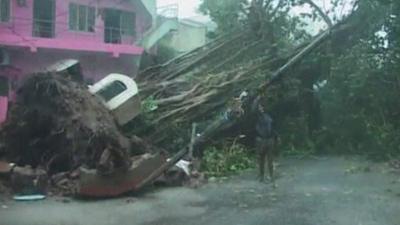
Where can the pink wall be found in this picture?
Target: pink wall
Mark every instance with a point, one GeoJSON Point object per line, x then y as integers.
{"type": "Point", "coordinates": [18, 32]}
{"type": "Point", "coordinates": [94, 66]}
{"type": "Point", "coordinates": [31, 54]}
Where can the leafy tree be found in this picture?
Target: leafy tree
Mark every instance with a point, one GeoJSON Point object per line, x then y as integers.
{"type": "Point", "coordinates": [343, 98]}
{"type": "Point", "coordinates": [359, 103]}
{"type": "Point", "coordinates": [228, 14]}
{"type": "Point", "coordinates": [266, 19]}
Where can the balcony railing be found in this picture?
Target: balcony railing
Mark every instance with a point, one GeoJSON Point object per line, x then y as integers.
{"type": "Point", "coordinates": [43, 28]}
{"type": "Point", "coordinates": [51, 29]}
{"type": "Point", "coordinates": [168, 11]}
{"type": "Point", "coordinates": [116, 35]}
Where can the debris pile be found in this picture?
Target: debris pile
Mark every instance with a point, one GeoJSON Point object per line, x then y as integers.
{"type": "Point", "coordinates": [69, 143]}
{"type": "Point", "coordinates": [57, 125]}
{"type": "Point", "coordinates": [27, 181]}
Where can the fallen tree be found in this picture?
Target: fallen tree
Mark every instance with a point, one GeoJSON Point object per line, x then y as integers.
{"type": "Point", "coordinates": [211, 92]}
{"type": "Point", "coordinates": [199, 84]}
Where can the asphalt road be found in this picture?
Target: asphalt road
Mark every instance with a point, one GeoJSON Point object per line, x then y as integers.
{"type": "Point", "coordinates": [319, 191]}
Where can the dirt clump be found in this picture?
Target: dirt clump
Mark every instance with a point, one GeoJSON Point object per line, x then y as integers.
{"type": "Point", "coordinates": [58, 125]}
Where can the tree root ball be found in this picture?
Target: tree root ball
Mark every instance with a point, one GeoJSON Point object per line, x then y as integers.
{"type": "Point", "coordinates": [56, 124]}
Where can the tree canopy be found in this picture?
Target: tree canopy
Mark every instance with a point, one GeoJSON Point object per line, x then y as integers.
{"type": "Point", "coordinates": [344, 99]}
{"type": "Point", "coordinates": [339, 97]}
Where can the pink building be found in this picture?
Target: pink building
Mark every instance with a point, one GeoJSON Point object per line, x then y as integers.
{"type": "Point", "coordinates": [101, 34]}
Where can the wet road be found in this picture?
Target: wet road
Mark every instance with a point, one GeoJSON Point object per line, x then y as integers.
{"type": "Point", "coordinates": [318, 191]}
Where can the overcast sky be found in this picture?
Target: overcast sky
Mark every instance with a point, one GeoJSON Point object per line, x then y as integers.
{"type": "Point", "coordinates": [188, 8]}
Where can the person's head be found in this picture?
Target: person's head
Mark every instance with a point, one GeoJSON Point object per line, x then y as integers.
{"type": "Point", "coordinates": [236, 108]}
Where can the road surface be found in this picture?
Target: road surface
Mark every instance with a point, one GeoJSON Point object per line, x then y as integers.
{"type": "Point", "coordinates": [317, 191]}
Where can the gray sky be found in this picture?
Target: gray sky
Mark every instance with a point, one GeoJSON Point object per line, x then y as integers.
{"type": "Point", "coordinates": [188, 9]}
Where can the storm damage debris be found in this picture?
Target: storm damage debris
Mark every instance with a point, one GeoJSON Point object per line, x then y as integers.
{"type": "Point", "coordinates": [61, 126]}
{"type": "Point", "coordinates": [68, 139]}
{"type": "Point", "coordinates": [27, 181]}
{"type": "Point", "coordinates": [92, 185]}
{"type": "Point", "coordinates": [183, 173]}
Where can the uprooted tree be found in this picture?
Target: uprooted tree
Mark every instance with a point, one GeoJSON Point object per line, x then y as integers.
{"type": "Point", "coordinates": [259, 49]}
{"type": "Point", "coordinates": [61, 126]}
{"type": "Point", "coordinates": [57, 124]}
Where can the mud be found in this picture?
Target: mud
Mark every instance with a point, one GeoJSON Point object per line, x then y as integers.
{"type": "Point", "coordinates": [57, 125]}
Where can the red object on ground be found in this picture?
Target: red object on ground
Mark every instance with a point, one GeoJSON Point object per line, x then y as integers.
{"type": "Point", "coordinates": [93, 185]}
{"type": "Point", "coordinates": [3, 108]}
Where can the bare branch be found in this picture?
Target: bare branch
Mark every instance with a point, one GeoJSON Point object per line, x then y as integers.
{"type": "Point", "coordinates": [324, 16]}
{"type": "Point", "coordinates": [273, 14]}
{"type": "Point", "coordinates": [267, 3]}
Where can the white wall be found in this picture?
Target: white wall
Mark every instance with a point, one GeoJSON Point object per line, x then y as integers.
{"type": "Point", "coordinates": [187, 37]}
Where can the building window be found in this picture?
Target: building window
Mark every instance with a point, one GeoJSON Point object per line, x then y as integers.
{"type": "Point", "coordinates": [128, 23]}
{"type": "Point", "coordinates": [4, 10]}
{"type": "Point", "coordinates": [4, 86]}
{"type": "Point", "coordinates": [81, 17]}
{"type": "Point", "coordinates": [118, 23]}
{"type": "Point", "coordinates": [44, 18]}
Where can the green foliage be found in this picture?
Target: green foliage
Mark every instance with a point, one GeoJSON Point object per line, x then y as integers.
{"type": "Point", "coordinates": [360, 103]}
{"type": "Point", "coordinates": [356, 110]}
{"type": "Point", "coordinates": [358, 106]}
{"type": "Point", "coordinates": [227, 159]}
{"type": "Point", "coordinates": [228, 14]}
{"type": "Point", "coordinates": [274, 22]}
{"type": "Point", "coordinates": [148, 105]}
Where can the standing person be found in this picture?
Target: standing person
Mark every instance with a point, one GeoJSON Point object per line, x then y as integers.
{"type": "Point", "coordinates": [263, 126]}
{"type": "Point", "coordinates": [266, 139]}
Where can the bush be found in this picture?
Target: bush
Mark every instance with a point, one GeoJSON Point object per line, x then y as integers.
{"type": "Point", "coordinates": [227, 160]}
